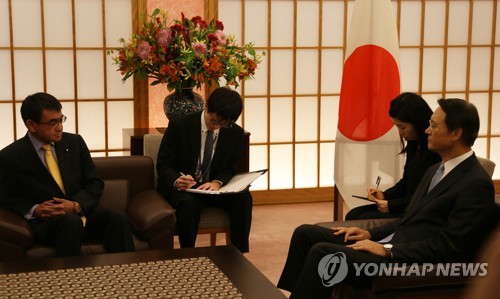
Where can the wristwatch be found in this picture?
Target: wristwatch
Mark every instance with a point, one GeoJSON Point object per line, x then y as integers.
{"type": "Point", "coordinates": [78, 208]}
{"type": "Point", "coordinates": [388, 250]}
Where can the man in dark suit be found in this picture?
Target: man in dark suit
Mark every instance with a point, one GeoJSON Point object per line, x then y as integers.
{"type": "Point", "coordinates": [201, 150]}
{"type": "Point", "coordinates": [447, 219]}
{"type": "Point", "coordinates": [48, 177]}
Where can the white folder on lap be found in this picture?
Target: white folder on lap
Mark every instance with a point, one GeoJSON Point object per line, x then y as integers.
{"type": "Point", "coordinates": [238, 183]}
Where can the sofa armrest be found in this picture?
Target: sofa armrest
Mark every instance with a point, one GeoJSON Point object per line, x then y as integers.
{"type": "Point", "coordinates": [15, 229]}
{"type": "Point", "coordinates": [150, 214]}
{"type": "Point", "coordinates": [363, 223]}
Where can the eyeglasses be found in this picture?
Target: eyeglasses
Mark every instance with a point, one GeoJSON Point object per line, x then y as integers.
{"type": "Point", "coordinates": [54, 122]}
{"type": "Point", "coordinates": [222, 123]}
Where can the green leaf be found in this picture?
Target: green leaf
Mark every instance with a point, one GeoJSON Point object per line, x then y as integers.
{"type": "Point", "coordinates": [157, 11]}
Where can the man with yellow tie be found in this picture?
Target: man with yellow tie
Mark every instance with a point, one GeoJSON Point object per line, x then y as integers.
{"type": "Point", "coordinates": [49, 178]}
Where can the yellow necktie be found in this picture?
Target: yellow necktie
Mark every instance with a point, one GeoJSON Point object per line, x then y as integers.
{"type": "Point", "coordinates": [53, 167]}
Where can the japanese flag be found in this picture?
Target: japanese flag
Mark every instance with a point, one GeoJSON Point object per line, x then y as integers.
{"type": "Point", "coordinates": [367, 143]}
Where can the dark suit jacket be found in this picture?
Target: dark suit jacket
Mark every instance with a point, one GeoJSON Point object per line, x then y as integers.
{"type": "Point", "coordinates": [450, 222]}
{"type": "Point", "coordinates": [25, 181]}
{"type": "Point", "coordinates": [180, 149]}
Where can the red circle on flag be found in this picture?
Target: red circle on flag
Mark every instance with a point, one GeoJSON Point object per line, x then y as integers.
{"type": "Point", "coordinates": [369, 83]}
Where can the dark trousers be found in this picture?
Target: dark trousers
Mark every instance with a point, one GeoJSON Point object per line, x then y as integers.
{"type": "Point", "coordinates": [368, 212]}
{"type": "Point", "coordinates": [66, 233]}
{"type": "Point", "coordinates": [309, 244]}
{"type": "Point", "coordinates": [188, 207]}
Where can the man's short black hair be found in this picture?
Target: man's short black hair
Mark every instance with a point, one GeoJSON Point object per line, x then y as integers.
{"type": "Point", "coordinates": [225, 103]}
{"type": "Point", "coordinates": [33, 106]}
{"type": "Point", "coordinates": [461, 115]}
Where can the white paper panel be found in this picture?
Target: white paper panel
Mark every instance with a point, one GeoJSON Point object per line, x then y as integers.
{"type": "Point", "coordinates": [307, 23]}
{"type": "Point", "coordinates": [230, 15]}
{"type": "Point", "coordinates": [495, 155]}
{"type": "Point", "coordinates": [456, 69]}
{"type": "Point", "coordinates": [307, 72]}
{"type": "Point", "coordinates": [281, 71]}
{"type": "Point", "coordinates": [281, 168]}
{"type": "Point", "coordinates": [90, 74]}
{"type": "Point", "coordinates": [329, 117]}
{"type": "Point", "coordinates": [258, 160]}
{"type": "Point", "coordinates": [256, 22]}
{"type": "Point", "coordinates": [26, 23]}
{"type": "Point", "coordinates": [256, 119]}
{"type": "Point", "coordinates": [5, 76]}
{"type": "Point", "coordinates": [456, 96]}
{"type": "Point", "coordinates": [432, 99]}
{"type": "Point", "coordinates": [410, 23]}
{"type": "Point", "coordinates": [306, 119]}
{"type": "Point", "coordinates": [480, 100]}
{"type": "Point", "coordinates": [432, 77]}
{"type": "Point", "coordinates": [479, 147]}
{"type": "Point", "coordinates": [482, 20]}
{"type": "Point", "coordinates": [91, 124]}
{"type": "Point", "coordinates": [258, 85]}
{"type": "Point", "coordinates": [60, 73]}
{"type": "Point", "coordinates": [118, 21]}
{"type": "Point", "coordinates": [332, 65]}
{"type": "Point", "coordinates": [333, 23]}
{"type": "Point", "coordinates": [306, 165]}
{"type": "Point", "coordinates": [7, 125]}
{"type": "Point", "coordinates": [29, 72]}
{"type": "Point", "coordinates": [58, 23]}
{"type": "Point", "coordinates": [434, 22]}
{"type": "Point", "coordinates": [495, 116]}
{"type": "Point", "coordinates": [120, 116]}
{"type": "Point", "coordinates": [281, 119]}
{"type": "Point", "coordinates": [409, 66]}
{"type": "Point", "coordinates": [98, 154]}
{"type": "Point", "coordinates": [4, 24]}
{"type": "Point", "coordinates": [88, 23]}
{"type": "Point", "coordinates": [116, 88]}
{"type": "Point", "coordinates": [496, 69]}
{"type": "Point", "coordinates": [326, 165]}
{"type": "Point", "coordinates": [20, 127]}
{"type": "Point", "coordinates": [281, 23]}
{"type": "Point", "coordinates": [480, 69]}
{"type": "Point", "coordinates": [458, 23]}
{"type": "Point", "coordinates": [497, 31]}
{"type": "Point", "coordinates": [68, 109]}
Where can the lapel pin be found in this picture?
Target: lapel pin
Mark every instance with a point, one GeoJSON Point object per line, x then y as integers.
{"type": "Point", "coordinates": [67, 150]}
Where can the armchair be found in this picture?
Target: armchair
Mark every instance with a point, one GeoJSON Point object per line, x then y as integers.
{"type": "Point", "coordinates": [129, 186]}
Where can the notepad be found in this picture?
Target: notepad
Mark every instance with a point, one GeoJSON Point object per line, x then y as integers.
{"type": "Point", "coordinates": [239, 183]}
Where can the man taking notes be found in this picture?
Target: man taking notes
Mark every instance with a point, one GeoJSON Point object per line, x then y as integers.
{"type": "Point", "coordinates": [203, 149]}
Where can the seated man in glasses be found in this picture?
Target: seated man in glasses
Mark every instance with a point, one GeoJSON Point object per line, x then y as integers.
{"type": "Point", "coordinates": [49, 178]}
{"type": "Point", "coordinates": [202, 150]}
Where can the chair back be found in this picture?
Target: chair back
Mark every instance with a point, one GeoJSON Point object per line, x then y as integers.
{"type": "Point", "coordinates": [151, 146]}
{"type": "Point", "coordinates": [488, 165]}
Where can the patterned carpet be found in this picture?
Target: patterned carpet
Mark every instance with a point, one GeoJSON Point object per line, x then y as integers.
{"type": "Point", "coordinates": [181, 278]}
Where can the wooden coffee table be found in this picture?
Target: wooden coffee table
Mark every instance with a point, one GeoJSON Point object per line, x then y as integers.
{"type": "Point", "coordinates": [247, 279]}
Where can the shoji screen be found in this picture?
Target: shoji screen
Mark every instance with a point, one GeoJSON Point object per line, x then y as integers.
{"type": "Point", "coordinates": [59, 46]}
{"type": "Point", "coordinates": [448, 49]}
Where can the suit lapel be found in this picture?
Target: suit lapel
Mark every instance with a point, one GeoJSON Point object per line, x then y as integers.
{"type": "Point", "coordinates": [421, 197]}
{"type": "Point", "coordinates": [194, 131]}
{"type": "Point", "coordinates": [63, 160]}
{"type": "Point", "coordinates": [34, 163]}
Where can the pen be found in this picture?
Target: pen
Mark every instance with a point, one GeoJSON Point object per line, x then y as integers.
{"type": "Point", "coordinates": [182, 173]}
{"type": "Point", "coordinates": [377, 182]}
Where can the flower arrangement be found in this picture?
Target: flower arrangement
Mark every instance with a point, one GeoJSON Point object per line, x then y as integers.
{"type": "Point", "coordinates": [185, 53]}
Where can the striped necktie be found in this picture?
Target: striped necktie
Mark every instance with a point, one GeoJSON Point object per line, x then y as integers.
{"type": "Point", "coordinates": [436, 178]}
{"type": "Point", "coordinates": [207, 156]}
{"type": "Point", "coordinates": [53, 167]}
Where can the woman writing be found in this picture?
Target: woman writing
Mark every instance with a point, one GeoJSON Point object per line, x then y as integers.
{"type": "Point", "coordinates": [410, 114]}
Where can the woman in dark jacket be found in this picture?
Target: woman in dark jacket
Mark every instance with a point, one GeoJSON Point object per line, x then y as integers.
{"type": "Point", "coordinates": [410, 114]}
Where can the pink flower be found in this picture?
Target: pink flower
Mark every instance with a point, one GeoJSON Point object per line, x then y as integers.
{"type": "Point", "coordinates": [143, 50]}
{"type": "Point", "coordinates": [221, 37]}
{"type": "Point", "coordinates": [199, 48]}
{"type": "Point", "coordinates": [164, 37]}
